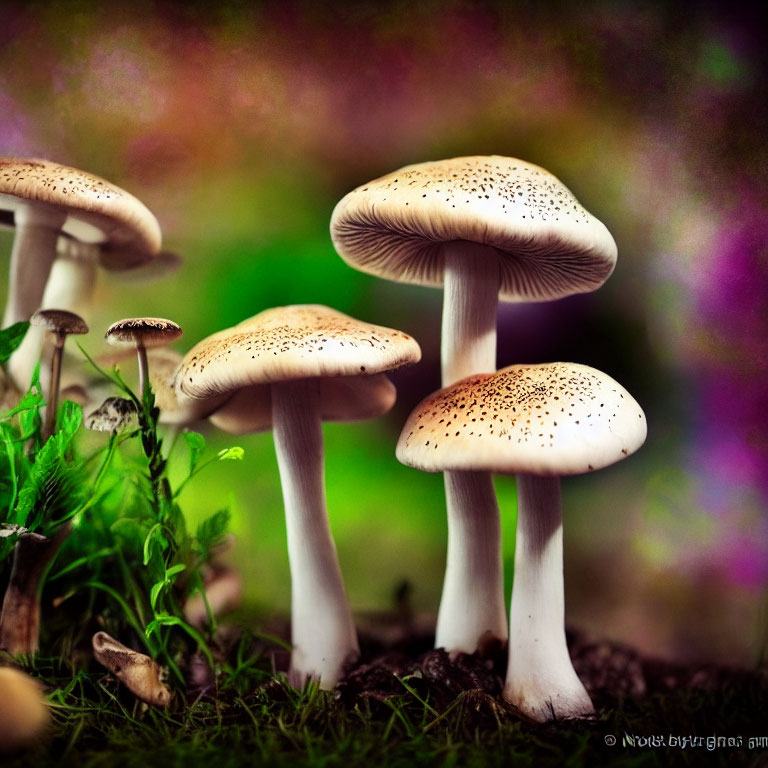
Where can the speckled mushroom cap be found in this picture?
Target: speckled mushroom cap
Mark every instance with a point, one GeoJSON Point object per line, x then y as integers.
{"type": "Point", "coordinates": [549, 246]}
{"type": "Point", "coordinates": [98, 212]}
{"type": "Point", "coordinates": [294, 342]}
{"type": "Point", "coordinates": [550, 419]}
{"type": "Point", "coordinates": [342, 398]}
{"type": "Point", "coordinates": [59, 320]}
{"type": "Point", "coordinates": [149, 331]}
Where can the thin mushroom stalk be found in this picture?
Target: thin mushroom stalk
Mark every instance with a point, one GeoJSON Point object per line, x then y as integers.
{"type": "Point", "coordinates": [472, 610]}
{"type": "Point", "coordinates": [322, 629]}
{"type": "Point", "coordinates": [20, 618]}
{"type": "Point", "coordinates": [541, 681]}
{"type": "Point", "coordinates": [53, 397]}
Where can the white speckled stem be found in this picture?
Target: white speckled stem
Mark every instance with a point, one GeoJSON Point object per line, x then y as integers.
{"type": "Point", "coordinates": [34, 249]}
{"type": "Point", "coordinates": [541, 681]}
{"type": "Point", "coordinates": [472, 610]}
{"type": "Point", "coordinates": [322, 629]}
{"type": "Point", "coordinates": [474, 579]}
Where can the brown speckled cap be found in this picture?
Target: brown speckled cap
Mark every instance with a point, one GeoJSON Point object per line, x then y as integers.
{"type": "Point", "coordinates": [294, 342]}
{"type": "Point", "coordinates": [550, 419]}
{"type": "Point", "coordinates": [548, 245]}
{"type": "Point", "coordinates": [97, 211]}
{"type": "Point", "coordinates": [60, 321]}
{"type": "Point", "coordinates": [149, 331]}
{"type": "Point", "coordinates": [342, 398]}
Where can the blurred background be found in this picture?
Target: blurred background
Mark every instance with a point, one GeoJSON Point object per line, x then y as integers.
{"type": "Point", "coordinates": [241, 125]}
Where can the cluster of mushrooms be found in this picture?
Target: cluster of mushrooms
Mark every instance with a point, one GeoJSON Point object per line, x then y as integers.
{"type": "Point", "coordinates": [485, 229]}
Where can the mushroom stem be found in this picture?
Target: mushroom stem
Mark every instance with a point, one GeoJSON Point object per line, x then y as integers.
{"type": "Point", "coordinates": [34, 249]}
{"type": "Point", "coordinates": [141, 353]}
{"type": "Point", "coordinates": [472, 603]}
{"type": "Point", "coordinates": [322, 630]}
{"type": "Point", "coordinates": [53, 397]}
{"type": "Point", "coordinates": [541, 681]}
{"type": "Point", "coordinates": [70, 286]}
{"type": "Point", "coordinates": [472, 610]}
{"type": "Point", "coordinates": [20, 619]}
{"type": "Point", "coordinates": [470, 301]}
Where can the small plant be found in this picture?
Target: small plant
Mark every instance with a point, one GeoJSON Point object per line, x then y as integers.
{"type": "Point", "coordinates": [127, 560]}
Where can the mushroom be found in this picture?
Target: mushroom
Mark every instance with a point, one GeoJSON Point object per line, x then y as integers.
{"type": "Point", "coordinates": [20, 617]}
{"type": "Point", "coordinates": [24, 714]}
{"type": "Point", "coordinates": [139, 673]}
{"type": "Point", "coordinates": [114, 414]}
{"type": "Point", "coordinates": [484, 228]}
{"type": "Point", "coordinates": [292, 361]}
{"type": "Point", "coordinates": [62, 324]}
{"type": "Point", "coordinates": [143, 333]}
{"type": "Point", "coordinates": [48, 200]}
{"type": "Point", "coordinates": [539, 422]}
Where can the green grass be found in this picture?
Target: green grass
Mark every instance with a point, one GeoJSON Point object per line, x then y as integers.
{"type": "Point", "coordinates": [257, 719]}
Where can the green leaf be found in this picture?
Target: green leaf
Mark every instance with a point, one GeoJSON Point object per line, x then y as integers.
{"type": "Point", "coordinates": [173, 570]}
{"type": "Point", "coordinates": [10, 339]}
{"type": "Point", "coordinates": [153, 595]}
{"type": "Point", "coordinates": [196, 443]}
{"type": "Point", "coordinates": [233, 453]}
{"type": "Point", "coordinates": [211, 530]}
{"type": "Point", "coordinates": [155, 534]}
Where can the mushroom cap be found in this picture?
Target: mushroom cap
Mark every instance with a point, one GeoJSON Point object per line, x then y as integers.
{"type": "Point", "coordinates": [24, 713]}
{"type": "Point", "coordinates": [112, 415]}
{"type": "Point", "coordinates": [550, 419]}
{"type": "Point", "coordinates": [60, 321]}
{"type": "Point", "coordinates": [139, 673]}
{"type": "Point", "coordinates": [548, 245]}
{"type": "Point", "coordinates": [97, 211]}
{"type": "Point", "coordinates": [149, 331]}
{"type": "Point", "coordinates": [342, 398]}
{"type": "Point", "coordinates": [294, 342]}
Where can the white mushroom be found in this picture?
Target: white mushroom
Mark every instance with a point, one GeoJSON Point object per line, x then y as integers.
{"type": "Point", "coordinates": [289, 362]}
{"type": "Point", "coordinates": [484, 228]}
{"type": "Point", "coordinates": [539, 422]}
{"type": "Point", "coordinates": [46, 200]}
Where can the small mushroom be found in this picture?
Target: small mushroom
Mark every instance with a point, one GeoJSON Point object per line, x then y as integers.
{"type": "Point", "coordinates": [143, 333]}
{"type": "Point", "coordinates": [139, 673]}
{"type": "Point", "coordinates": [24, 714]}
{"type": "Point", "coordinates": [113, 415]}
{"type": "Point", "coordinates": [484, 228]}
{"type": "Point", "coordinates": [62, 324]}
{"type": "Point", "coordinates": [286, 361]}
{"type": "Point", "coordinates": [539, 422]}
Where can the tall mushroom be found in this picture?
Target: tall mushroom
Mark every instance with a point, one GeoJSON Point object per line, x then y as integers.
{"type": "Point", "coordinates": [484, 228]}
{"type": "Point", "coordinates": [539, 422]}
{"type": "Point", "coordinates": [48, 200]}
{"type": "Point", "coordinates": [297, 365]}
